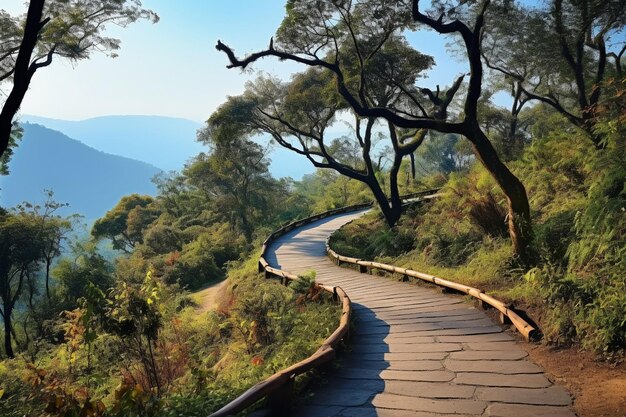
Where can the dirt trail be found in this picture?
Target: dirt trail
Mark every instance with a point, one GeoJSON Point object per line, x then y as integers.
{"type": "Point", "coordinates": [207, 298]}
{"type": "Point", "coordinates": [599, 388]}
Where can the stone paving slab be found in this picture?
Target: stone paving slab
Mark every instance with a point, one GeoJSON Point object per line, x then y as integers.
{"type": "Point", "coordinates": [463, 338]}
{"type": "Point", "coordinates": [416, 365]}
{"type": "Point", "coordinates": [501, 380]}
{"type": "Point", "coordinates": [390, 374]}
{"type": "Point", "coordinates": [490, 346]}
{"type": "Point", "coordinates": [399, 356]}
{"type": "Point", "coordinates": [415, 352]}
{"type": "Point", "coordinates": [553, 395]}
{"type": "Point", "coordinates": [518, 410]}
{"type": "Point", "coordinates": [408, 347]}
{"type": "Point", "coordinates": [381, 412]}
{"type": "Point", "coordinates": [498, 367]}
{"type": "Point", "coordinates": [450, 406]}
{"type": "Point", "coordinates": [429, 389]}
{"type": "Point", "coordinates": [391, 338]}
{"type": "Point", "coordinates": [343, 397]}
{"type": "Point", "coordinates": [492, 355]}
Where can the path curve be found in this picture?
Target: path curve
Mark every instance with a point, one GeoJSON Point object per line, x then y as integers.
{"type": "Point", "coordinates": [416, 352]}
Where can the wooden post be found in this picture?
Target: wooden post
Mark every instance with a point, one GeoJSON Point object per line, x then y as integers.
{"type": "Point", "coordinates": [484, 305]}
{"type": "Point", "coordinates": [279, 402]}
{"type": "Point", "coordinates": [504, 319]}
{"type": "Point", "coordinates": [405, 278]}
{"type": "Point", "coordinates": [447, 290]}
{"type": "Point", "coordinates": [268, 274]}
{"type": "Point", "coordinates": [363, 269]}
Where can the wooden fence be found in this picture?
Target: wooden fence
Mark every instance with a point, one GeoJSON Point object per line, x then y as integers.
{"type": "Point", "coordinates": [508, 315]}
{"type": "Point", "coordinates": [277, 388]}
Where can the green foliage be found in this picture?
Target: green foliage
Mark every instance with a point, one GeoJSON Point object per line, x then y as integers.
{"type": "Point", "coordinates": [124, 224]}
{"type": "Point", "coordinates": [16, 399]}
{"type": "Point", "coordinates": [444, 154]}
{"type": "Point", "coordinates": [14, 139]}
{"type": "Point", "coordinates": [584, 310]}
{"type": "Point", "coordinates": [75, 276]}
{"type": "Point", "coordinates": [578, 200]}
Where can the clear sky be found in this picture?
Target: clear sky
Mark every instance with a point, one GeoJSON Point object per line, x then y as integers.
{"type": "Point", "coordinates": [172, 68]}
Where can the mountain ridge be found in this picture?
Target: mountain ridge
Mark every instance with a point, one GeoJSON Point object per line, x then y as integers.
{"type": "Point", "coordinates": [175, 143]}
{"type": "Point", "coordinates": [89, 180]}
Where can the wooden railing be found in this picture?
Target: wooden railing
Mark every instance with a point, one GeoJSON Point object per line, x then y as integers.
{"type": "Point", "coordinates": [277, 388]}
{"type": "Point", "coordinates": [508, 315]}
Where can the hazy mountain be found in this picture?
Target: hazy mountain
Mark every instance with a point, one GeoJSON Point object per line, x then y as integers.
{"type": "Point", "coordinates": [164, 142]}
{"type": "Point", "coordinates": [92, 182]}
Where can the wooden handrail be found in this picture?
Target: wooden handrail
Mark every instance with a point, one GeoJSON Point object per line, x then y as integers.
{"type": "Point", "coordinates": [326, 352]}
{"type": "Point", "coordinates": [527, 330]}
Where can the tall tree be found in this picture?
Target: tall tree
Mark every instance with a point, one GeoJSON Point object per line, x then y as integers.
{"type": "Point", "coordinates": [234, 178]}
{"type": "Point", "coordinates": [568, 46]}
{"type": "Point", "coordinates": [20, 253]}
{"type": "Point", "coordinates": [70, 29]}
{"type": "Point", "coordinates": [298, 114]}
{"type": "Point", "coordinates": [124, 224]}
{"type": "Point", "coordinates": [310, 35]}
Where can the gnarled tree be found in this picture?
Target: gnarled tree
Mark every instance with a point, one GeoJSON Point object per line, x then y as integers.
{"type": "Point", "coordinates": [310, 35]}
{"type": "Point", "coordinates": [298, 115]}
{"type": "Point", "coordinates": [569, 48]}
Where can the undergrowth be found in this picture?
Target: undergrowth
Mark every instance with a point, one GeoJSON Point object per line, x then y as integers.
{"type": "Point", "coordinates": [577, 284]}
{"type": "Point", "coordinates": [201, 361]}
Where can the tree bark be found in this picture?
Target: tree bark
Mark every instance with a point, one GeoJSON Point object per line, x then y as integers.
{"type": "Point", "coordinates": [391, 209]}
{"type": "Point", "coordinates": [8, 325]}
{"type": "Point", "coordinates": [412, 156]}
{"type": "Point", "coordinates": [518, 217]}
{"type": "Point", "coordinates": [23, 72]}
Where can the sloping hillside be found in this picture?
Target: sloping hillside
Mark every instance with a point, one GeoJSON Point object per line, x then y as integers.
{"type": "Point", "coordinates": [164, 142]}
{"type": "Point", "coordinates": [89, 180]}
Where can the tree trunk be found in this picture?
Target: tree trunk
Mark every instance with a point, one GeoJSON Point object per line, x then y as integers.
{"type": "Point", "coordinates": [23, 72]}
{"type": "Point", "coordinates": [48, 263]}
{"type": "Point", "coordinates": [518, 217]}
{"type": "Point", "coordinates": [391, 212]}
{"type": "Point", "coordinates": [8, 325]}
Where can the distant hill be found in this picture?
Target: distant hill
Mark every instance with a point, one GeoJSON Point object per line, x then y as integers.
{"type": "Point", "coordinates": [164, 142]}
{"type": "Point", "coordinates": [92, 182]}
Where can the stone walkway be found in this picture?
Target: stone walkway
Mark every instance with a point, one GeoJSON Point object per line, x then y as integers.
{"type": "Point", "coordinates": [414, 351]}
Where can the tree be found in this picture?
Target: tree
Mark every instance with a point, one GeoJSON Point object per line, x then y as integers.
{"type": "Point", "coordinates": [75, 275]}
{"type": "Point", "coordinates": [310, 35]}
{"type": "Point", "coordinates": [53, 229]}
{"type": "Point", "coordinates": [125, 223]}
{"type": "Point", "coordinates": [69, 29]}
{"type": "Point", "coordinates": [14, 138]}
{"type": "Point", "coordinates": [565, 59]}
{"type": "Point", "coordinates": [298, 114]}
{"type": "Point", "coordinates": [20, 253]}
{"type": "Point", "coordinates": [234, 178]}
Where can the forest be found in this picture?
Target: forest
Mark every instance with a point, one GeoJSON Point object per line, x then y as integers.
{"type": "Point", "coordinates": [527, 147]}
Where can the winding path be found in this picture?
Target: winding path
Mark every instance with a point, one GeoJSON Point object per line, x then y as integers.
{"type": "Point", "coordinates": [416, 352]}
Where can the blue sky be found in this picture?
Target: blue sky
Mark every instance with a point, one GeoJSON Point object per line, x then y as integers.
{"type": "Point", "coordinates": [172, 68]}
